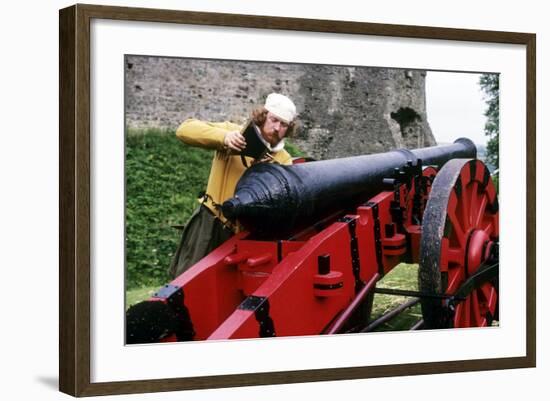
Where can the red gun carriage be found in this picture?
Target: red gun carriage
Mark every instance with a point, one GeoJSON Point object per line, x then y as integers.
{"type": "Point", "coordinates": [320, 235]}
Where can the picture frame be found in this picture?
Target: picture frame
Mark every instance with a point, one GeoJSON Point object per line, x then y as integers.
{"type": "Point", "coordinates": [76, 200]}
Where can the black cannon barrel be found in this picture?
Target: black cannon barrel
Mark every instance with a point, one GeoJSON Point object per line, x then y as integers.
{"type": "Point", "coordinates": [273, 199]}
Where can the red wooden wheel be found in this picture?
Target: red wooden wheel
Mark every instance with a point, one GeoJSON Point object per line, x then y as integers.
{"type": "Point", "coordinates": [459, 236]}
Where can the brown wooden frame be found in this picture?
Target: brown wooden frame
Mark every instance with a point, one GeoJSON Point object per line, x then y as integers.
{"type": "Point", "coordinates": [74, 199]}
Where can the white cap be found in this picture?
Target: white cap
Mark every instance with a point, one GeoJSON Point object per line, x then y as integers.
{"type": "Point", "coordinates": [281, 106]}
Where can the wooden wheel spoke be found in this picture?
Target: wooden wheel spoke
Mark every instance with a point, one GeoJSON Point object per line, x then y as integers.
{"type": "Point", "coordinates": [488, 228]}
{"type": "Point", "coordinates": [475, 310]}
{"type": "Point", "coordinates": [479, 212]}
{"type": "Point", "coordinates": [464, 209]}
{"type": "Point", "coordinates": [457, 228]}
{"type": "Point", "coordinates": [472, 202]}
{"type": "Point", "coordinates": [458, 314]}
{"type": "Point", "coordinates": [464, 317]}
{"type": "Point", "coordinates": [455, 278]}
{"type": "Point", "coordinates": [485, 291]}
{"type": "Point", "coordinates": [490, 296]}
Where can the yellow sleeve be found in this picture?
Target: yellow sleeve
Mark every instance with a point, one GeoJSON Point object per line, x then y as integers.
{"type": "Point", "coordinates": [204, 134]}
{"type": "Point", "coordinates": [283, 157]}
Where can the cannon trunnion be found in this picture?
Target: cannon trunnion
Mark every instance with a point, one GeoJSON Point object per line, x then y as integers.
{"type": "Point", "coordinates": [319, 237]}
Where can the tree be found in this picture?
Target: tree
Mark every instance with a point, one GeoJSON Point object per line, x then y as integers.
{"type": "Point", "coordinates": [490, 86]}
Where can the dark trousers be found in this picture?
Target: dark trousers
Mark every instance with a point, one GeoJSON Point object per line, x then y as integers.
{"type": "Point", "coordinates": [203, 233]}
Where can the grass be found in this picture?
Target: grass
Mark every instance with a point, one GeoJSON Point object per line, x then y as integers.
{"type": "Point", "coordinates": [403, 277]}
{"type": "Point", "coordinates": [139, 294]}
{"type": "Point", "coordinates": [163, 180]}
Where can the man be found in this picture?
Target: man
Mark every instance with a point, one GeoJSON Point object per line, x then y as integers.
{"type": "Point", "coordinates": [207, 228]}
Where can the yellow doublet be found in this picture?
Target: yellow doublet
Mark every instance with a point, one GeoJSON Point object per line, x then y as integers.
{"type": "Point", "coordinates": [226, 169]}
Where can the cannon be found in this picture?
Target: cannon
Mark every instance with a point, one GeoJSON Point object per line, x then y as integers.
{"type": "Point", "coordinates": [270, 194]}
{"type": "Point", "coordinates": [318, 238]}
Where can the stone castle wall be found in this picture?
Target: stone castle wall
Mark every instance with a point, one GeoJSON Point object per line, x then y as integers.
{"type": "Point", "coordinates": [343, 111]}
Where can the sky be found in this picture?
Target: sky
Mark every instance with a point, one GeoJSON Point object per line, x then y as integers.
{"type": "Point", "coordinates": [455, 106]}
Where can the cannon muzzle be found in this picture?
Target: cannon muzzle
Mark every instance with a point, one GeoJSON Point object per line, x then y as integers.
{"type": "Point", "coordinates": [272, 200]}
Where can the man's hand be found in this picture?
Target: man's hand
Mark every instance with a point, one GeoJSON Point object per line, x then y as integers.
{"type": "Point", "coordinates": [235, 141]}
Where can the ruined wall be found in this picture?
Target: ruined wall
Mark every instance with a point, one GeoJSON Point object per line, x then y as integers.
{"type": "Point", "coordinates": [343, 111]}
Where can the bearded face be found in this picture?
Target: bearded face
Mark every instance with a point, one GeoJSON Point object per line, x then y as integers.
{"type": "Point", "coordinates": [274, 129]}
